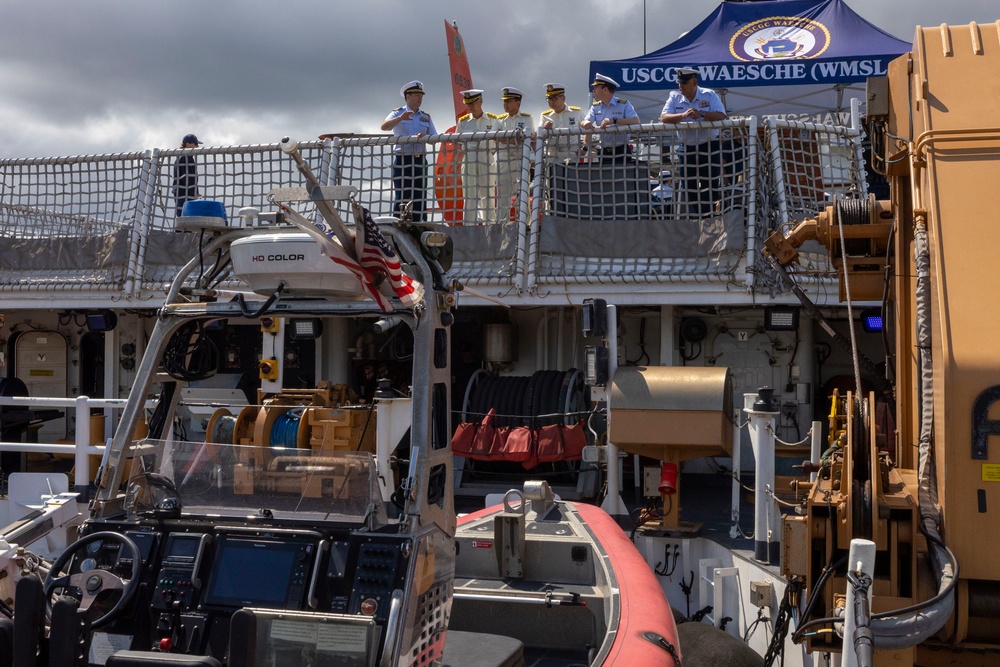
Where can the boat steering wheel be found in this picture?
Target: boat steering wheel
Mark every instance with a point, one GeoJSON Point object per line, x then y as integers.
{"type": "Point", "coordinates": [86, 586]}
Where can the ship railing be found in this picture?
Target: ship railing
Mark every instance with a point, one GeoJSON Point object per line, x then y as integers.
{"type": "Point", "coordinates": [653, 203]}
{"type": "Point", "coordinates": [85, 442]}
{"type": "Point", "coordinates": [66, 222]}
{"type": "Point", "coordinates": [809, 166]}
{"type": "Point", "coordinates": [531, 210]}
{"type": "Point", "coordinates": [517, 210]}
{"type": "Point", "coordinates": [529, 220]}
{"type": "Point", "coordinates": [238, 176]}
{"type": "Point", "coordinates": [105, 224]}
{"type": "Point", "coordinates": [474, 184]}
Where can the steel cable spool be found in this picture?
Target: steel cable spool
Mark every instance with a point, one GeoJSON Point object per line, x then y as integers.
{"type": "Point", "coordinates": [243, 429]}
{"type": "Point", "coordinates": [285, 431]}
{"type": "Point", "coordinates": [221, 427]}
{"type": "Point", "coordinates": [854, 212]}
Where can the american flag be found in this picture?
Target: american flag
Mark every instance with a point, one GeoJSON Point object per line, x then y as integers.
{"type": "Point", "coordinates": [364, 276]}
{"type": "Point", "coordinates": [377, 257]}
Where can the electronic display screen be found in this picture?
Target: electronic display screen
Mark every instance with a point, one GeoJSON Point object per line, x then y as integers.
{"type": "Point", "coordinates": [182, 546]}
{"type": "Point", "coordinates": [251, 572]}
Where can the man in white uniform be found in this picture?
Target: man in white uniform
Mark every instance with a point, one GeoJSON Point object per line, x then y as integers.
{"type": "Point", "coordinates": [509, 154]}
{"type": "Point", "coordinates": [476, 186]}
{"type": "Point", "coordinates": [560, 115]}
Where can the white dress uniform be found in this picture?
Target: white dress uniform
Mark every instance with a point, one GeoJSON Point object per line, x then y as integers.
{"type": "Point", "coordinates": [477, 188]}
{"type": "Point", "coordinates": [566, 147]}
{"type": "Point", "coordinates": [508, 159]}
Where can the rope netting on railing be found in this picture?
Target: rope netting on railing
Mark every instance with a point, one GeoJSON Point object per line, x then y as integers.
{"type": "Point", "coordinates": [819, 162]}
{"type": "Point", "coordinates": [474, 183]}
{"type": "Point", "coordinates": [666, 204]}
{"type": "Point", "coordinates": [807, 167]}
{"type": "Point", "coordinates": [670, 205]}
{"type": "Point", "coordinates": [238, 176]}
{"type": "Point", "coordinates": [67, 220]}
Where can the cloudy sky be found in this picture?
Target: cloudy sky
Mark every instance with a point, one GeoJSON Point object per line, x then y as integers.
{"type": "Point", "coordinates": [107, 76]}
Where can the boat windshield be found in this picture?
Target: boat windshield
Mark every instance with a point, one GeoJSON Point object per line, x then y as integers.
{"type": "Point", "coordinates": [205, 480]}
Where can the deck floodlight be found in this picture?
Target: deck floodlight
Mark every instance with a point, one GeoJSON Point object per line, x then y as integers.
{"type": "Point", "coordinates": [596, 373]}
{"type": "Point", "coordinates": [871, 320]}
{"type": "Point", "coordinates": [781, 318]}
{"type": "Point", "coordinates": [595, 318]}
{"type": "Point", "coordinates": [440, 246]}
{"type": "Point", "coordinates": [433, 239]}
{"type": "Point", "coordinates": [101, 320]}
{"type": "Point", "coordinates": [307, 328]}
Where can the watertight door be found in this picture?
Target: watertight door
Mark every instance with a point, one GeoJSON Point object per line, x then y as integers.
{"type": "Point", "coordinates": [40, 361]}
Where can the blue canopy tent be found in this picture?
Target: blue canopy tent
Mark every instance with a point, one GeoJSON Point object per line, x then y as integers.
{"type": "Point", "coordinates": [802, 59]}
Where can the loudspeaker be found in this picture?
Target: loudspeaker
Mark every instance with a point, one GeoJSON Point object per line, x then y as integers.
{"type": "Point", "coordinates": [693, 329]}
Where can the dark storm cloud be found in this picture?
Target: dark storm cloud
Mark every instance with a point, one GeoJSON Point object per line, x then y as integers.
{"type": "Point", "coordinates": [107, 76]}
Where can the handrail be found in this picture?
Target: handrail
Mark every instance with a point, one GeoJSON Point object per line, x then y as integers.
{"type": "Point", "coordinates": [82, 449]}
{"type": "Point", "coordinates": [136, 275]}
{"type": "Point", "coordinates": [949, 135]}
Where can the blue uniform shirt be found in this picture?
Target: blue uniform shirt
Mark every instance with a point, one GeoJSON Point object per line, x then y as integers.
{"type": "Point", "coordinates": [705, 99]}
{"type": "Point", "coordinates": [420, 123]}
{"type": "Point", "coordinates": [617, 108]}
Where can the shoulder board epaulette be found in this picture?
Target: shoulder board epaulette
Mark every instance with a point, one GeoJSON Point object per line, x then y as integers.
{"type": "Point", "coordinates": [573, 108]}
{"type": "Point", "coordinates": [399, 108]}
{"type": "Point", "coordinates": [502, 116]}
{"type": "Point", "coordinates": [492, 115]}
{"type": "Point", "coordinates": [621, 100]}
{"type": "Point", "coordinates": [468, 115]}
{"type": "Point", "coordinates": [526, 115]}
{"type": "Point", "coordinates": [547, 112]}
{"type": "Point", "coordinates": [594, 103]}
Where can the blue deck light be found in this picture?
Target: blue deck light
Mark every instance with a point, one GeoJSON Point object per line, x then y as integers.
{"type": "Point", "coordinates": [871, 320]}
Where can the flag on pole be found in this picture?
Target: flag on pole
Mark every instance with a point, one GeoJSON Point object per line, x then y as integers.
{"type": "Point", "coordinates": [378, 258]}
